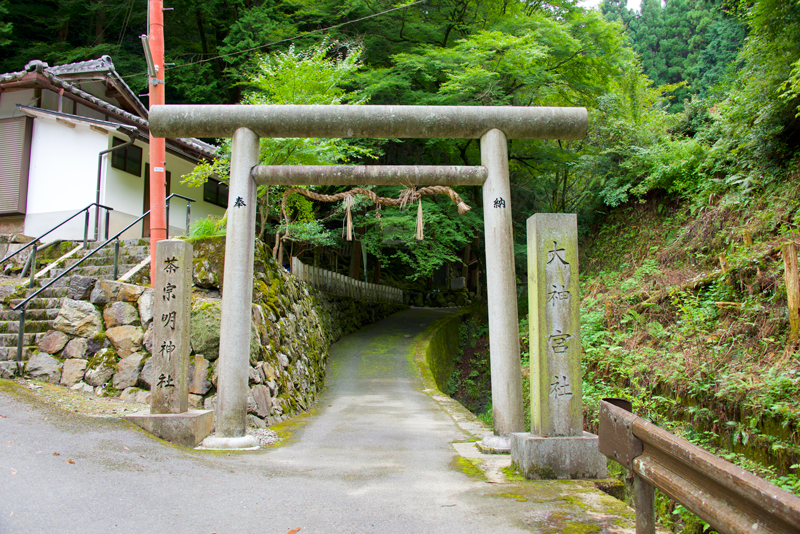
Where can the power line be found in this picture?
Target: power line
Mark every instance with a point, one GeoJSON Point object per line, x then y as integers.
{"type": "Point", "coordinates": [125, 22]}
{"type": "Point", "coordinates": [287, 39]}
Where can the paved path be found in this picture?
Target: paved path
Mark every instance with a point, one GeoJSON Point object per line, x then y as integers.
{"type": "Point", "coordinates": [375, 456]}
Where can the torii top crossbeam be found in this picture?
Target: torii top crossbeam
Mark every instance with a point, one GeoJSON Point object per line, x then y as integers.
{"type": "Point", "coordinates": [370, 122]}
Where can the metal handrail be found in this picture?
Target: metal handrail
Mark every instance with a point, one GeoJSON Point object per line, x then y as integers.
{"type": "Point", "coordinates": [727, 497]}
{"type": "Point", "coordinates": [115, 238]}
{"type": "Point", "coordinates": [37, 239]}
{"type": "Point", "coordinates": [188, 210]}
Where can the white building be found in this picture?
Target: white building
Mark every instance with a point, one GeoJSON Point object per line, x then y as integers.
{"type": "Point", "coordinates": [55, 122]}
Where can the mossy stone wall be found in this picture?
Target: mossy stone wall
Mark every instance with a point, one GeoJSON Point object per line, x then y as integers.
{"type": "Point", "coordinates": [292, 328]}
{"type": "Point", "coordinates": [443, 349]}
{"type": "Point", "coordinates": [293, 325]}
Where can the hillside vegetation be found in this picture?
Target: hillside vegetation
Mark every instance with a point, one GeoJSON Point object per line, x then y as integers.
{"type": "Point", "coordinates": [685, 313]}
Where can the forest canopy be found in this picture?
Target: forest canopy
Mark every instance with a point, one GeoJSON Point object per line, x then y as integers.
{"type": "Point", "coordinates": [689, 97]}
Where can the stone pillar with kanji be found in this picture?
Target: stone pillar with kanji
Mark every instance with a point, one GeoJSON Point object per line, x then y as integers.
{"type": "Point", "coordinates": [557, 446]}
{"type": "Point", "coordinates": [169, 417]}
{"type": "Point", "coordinates": [172, 291]}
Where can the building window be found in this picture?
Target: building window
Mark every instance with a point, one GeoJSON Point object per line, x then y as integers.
{"type": "Point", "coordinates": [128, 159]}
{"type": "Point", "coordinates": [15, 153]}
{"type": "Point", "coordinates": [216, 192]}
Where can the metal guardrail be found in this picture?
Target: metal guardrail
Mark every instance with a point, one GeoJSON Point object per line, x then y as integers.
{"type": "Point", "coordinates": [21, 307]}
{"type": "Point", "coordinates": [727, 497]}
{"type": "Point", "coordinates": [339, 284]}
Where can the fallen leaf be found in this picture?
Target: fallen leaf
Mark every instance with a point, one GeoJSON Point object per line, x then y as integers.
{"type": "Point", "coordinates": [294, 530]}
{"type": "Point", "coordinates": [232, 471]}
{"type": "Point", "coordinates": [4, 417]}
{"type": "Point", "coordinates": [70, 461]}
{"type": "Point", "coordinates": [56, 454]}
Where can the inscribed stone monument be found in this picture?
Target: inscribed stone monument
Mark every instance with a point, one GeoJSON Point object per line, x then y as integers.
{"type": "Point", "coordinates": [169, 416]}
{"type": "Point", "coordinates": [173, 284]}
{"type": "Point", "coordinates": [557, 446]}
{"type": "Point", "coordinates": [555, 325]}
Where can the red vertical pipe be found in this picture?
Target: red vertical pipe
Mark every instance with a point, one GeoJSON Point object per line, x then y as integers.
{"type": "Point", "coordinates": [158, 160]}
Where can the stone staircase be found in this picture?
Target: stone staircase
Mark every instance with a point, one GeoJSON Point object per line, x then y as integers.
{"type": "Point", "coordinates": [42, 310]}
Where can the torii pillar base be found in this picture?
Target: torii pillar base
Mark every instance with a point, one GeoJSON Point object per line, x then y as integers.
{"type": "Point", "coordinates": [186, 429]}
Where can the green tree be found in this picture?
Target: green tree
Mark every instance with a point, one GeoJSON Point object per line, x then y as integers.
{"type": "Point", "coordinates": [690, 41]}
{"type": "Point", "coordinates": [756, 126]}
{"type": "Point", "coordinates": [5, 27]}
{"type": "Point", "coordinates": [313, 76]}
{"type": "Point", "coordinates": [725, 37]}
{"type": "Point", "coordinates": [617, 11]}
{"type": "Point", "coordinates": [215, 41]}
{"type": "Point", "coordinates": [392, 238]}
{"type": "Point", "coordinates": [64, 31]}
{"type": "Point", "coordinates": [535, 58]}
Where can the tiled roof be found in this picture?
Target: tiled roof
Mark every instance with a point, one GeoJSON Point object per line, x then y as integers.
{"type": "Point", "coordinates": [102, 64]}
{"type": "Point", "coordinates": [95, 65]}
{"type": "Point", "coordinates": [11, 76]}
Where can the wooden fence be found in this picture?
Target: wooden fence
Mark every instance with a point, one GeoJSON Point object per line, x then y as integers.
{"type": "Point", "coordinates": [339, 284]}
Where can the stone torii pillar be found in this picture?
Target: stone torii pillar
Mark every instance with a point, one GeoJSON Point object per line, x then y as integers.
{"type": "Point", "coordinates": [246, 124]}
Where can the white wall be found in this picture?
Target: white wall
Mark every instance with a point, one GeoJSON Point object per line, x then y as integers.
{"type": "Point", "coordinates": [125, 193]}
{"type": "Point", "coordinates": [177, 213]}
{"type": "Point", "coordinates": [62, 178]}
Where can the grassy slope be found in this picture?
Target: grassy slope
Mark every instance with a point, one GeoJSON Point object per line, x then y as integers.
{"type": "Point", "coordinates": [685, 313]}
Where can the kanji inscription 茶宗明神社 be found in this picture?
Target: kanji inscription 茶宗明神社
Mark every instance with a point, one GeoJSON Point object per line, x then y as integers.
{"type": "Point", "coordinates": [170, 327]}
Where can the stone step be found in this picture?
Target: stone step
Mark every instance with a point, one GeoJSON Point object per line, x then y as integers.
{"type": "Point", "coordinates": [28, 340]}
{"type": "Point", "coordinates": [128, 243]}
{"type": "Point", "coordinates": [10, 353]}
{"type": "Point", "coordinates": [108, 252]}
{"type": "Point", "coordinates": [31, 327]}
{"type": "Point", "coordinates": [39, 303]}
{"type": "Point", "coordinates": [106, 260]}
{"type": "Point", "coordinates": [64, 282]}
{"type": "Point", "coordinates": [55, 291]}
{"type": "Point", "coordinates": [96, 271]}
{"type": "Point", "coordinates": [31, 315]}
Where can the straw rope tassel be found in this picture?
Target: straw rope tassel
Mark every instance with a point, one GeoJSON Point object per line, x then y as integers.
{"type": "Point", "coordinates": [348, 202]}
{"type": "Point", "coordinates": [408, 196]}
{"type": "Point", "coordinates": [420, 222]}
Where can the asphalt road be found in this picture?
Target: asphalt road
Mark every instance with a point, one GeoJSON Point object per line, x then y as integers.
{"type": "Point", "coordinates": [375, 456]}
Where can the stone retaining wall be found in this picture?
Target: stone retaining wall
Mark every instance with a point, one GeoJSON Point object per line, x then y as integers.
{"type": "Point", "coordinates": [442, 348]}
{"type": "Point", "coordinates": [103, 337]}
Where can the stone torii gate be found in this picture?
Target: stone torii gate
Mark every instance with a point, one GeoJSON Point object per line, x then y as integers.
{"type": "Point", "coordinates": [246, 124]}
